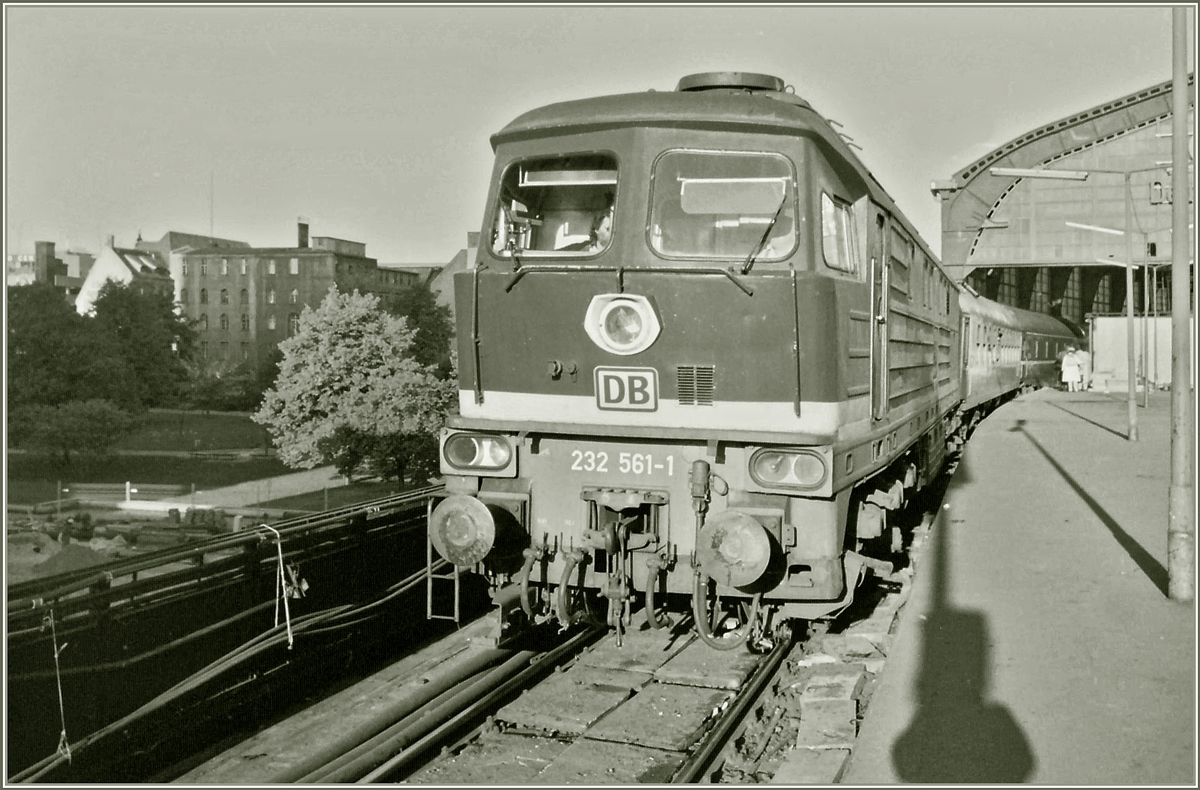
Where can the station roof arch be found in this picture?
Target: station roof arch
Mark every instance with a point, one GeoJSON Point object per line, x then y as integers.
{"type": "Point", "coordinates": [971, 199]}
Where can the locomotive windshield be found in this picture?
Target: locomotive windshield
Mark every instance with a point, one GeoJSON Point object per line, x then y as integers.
{"type": "Point", "coordinates": [721, 204]}
{"type": "Point", "coordinates": [556, 206]}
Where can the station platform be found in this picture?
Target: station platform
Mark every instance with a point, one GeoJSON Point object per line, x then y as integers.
{"type": "Point", "coordinates": [1039, 644]}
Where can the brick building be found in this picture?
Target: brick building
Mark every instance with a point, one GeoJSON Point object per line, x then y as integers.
{"type": "Point", "coordinates": [247, 299]}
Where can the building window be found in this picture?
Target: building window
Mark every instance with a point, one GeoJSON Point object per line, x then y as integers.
{"type": "Point", "coordinates": [224, 267]}
{"type": "Point", "coordinates": [183, 295]}
{"type": "Point", "coordinates": [204, 349]}
{"type": "Point", "coordinates": [203, 268]}
{"type": "Point", "coordinates": [270, 322]}
{"type": "Point", "coordinates": [224, 322]}
{"type": "Point", "coordinates": [245, 296]}
{"type": "Point", "coordinates": [185, 268]}
{"type": "Point", "coordinates": [270, 267]}
{"type": "Point", "coordinates": [245, 323]}
{"type": "Point", "coordinates": [294, 297]}
{"type": "Point", "coordinates": [271, 296]}
{"type": "Point", "coordinates": [294, 266]}
{"type": "Point", "coordinates": [293, 324]}
{"type": "Point", "coordinates": [224, 296]}
{"type": "Point", "coordinates": [203, 296]}
{"type": "Point", "coordinates": [204, 322]}
{"type": "Point", "coordinates": [245, 351]}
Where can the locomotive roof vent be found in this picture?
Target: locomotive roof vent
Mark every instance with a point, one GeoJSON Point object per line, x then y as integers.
{"type": "Point", "coordinates": [730, 80]}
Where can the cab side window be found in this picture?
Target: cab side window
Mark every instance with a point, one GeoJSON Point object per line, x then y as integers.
{"type": "Point", "coordinates": [839, 236]}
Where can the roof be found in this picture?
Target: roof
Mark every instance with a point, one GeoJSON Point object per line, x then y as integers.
{"type": "Point", "coordinates": [973, 193]}
{"type": "Point", "coordinates": [141, 262]}
{"type": "Point", "coordinates": [1013, 317]}
{"type": "Point", "coordinates": [701, 109]}
{"type": "Point", "coordinates": [175, 239]}
{"type": "Point", "coordinates": [291, 251]}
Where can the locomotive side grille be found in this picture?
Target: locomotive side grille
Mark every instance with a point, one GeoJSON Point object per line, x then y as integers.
{"type": "Point", "coordinates": [695, 384]}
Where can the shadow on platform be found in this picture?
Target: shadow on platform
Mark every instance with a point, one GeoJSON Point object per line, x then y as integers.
{"type": "Point", "coordinates": [1100, 425]}
{"type": "Point", "coordinates": [1153, 569]}
{"type": "Point", "coordinates": [957, 735]}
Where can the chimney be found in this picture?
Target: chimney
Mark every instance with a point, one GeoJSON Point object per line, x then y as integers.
{"type": "Point", "coordinates": [43, 252]}
{"type": "Point", "coordinates": [112, 242]}
{"type": "Point", "coordinates": [302, 232]}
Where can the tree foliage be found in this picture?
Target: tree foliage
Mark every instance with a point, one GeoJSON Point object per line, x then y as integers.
{"type": "Point", "coordinates": [90, 427]}
{"type": "Point", "coordinates": [350, 389]}
{"type": "Point", "coordinates": [56, 355]}
{"type": "Point", "coordinates": [154, 340]}
{"type": "Point", "coordinates": [431, 322]}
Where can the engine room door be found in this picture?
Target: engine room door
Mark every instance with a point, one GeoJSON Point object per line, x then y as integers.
{"type": "Point", "coordinates": [879, 313]}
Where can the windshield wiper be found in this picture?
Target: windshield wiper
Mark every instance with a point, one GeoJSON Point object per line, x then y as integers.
{"type": "Point", "coordinates": [510, 243]}
{"type": "Point", "coordinates": [766, 233]}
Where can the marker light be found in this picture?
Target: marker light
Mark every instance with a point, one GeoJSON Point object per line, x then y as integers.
{"type": "Point", "coordinates": [788, 468]}
{"type": "Point", "coordinates": [469, 452]}
{"type": "Point", "coordinates": [622, 323]}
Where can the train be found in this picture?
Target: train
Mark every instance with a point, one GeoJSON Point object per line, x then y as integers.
{"type": "Point", "coordinates": [703, 361]}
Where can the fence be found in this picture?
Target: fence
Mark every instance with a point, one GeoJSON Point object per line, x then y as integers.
{"type": "Point", "coordinates": [116, 492]}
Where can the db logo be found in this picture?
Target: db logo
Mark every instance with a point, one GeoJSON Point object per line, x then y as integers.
{"type": "Point", "coordinates": [627, 389]}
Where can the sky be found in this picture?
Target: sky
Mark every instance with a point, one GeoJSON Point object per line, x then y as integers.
{"type": "Point", "coordinates": [373, 121]}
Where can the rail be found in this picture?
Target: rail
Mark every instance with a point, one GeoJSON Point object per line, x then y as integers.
{"type": "Point", "coordinates": [700, 762]}
{"type": "Point", "coordinates": [32, 597]}
{"type": "Point", "coordinates": [210, 680]}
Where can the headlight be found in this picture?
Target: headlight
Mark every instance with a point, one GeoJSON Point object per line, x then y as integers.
{"type": "Point", "coordinates": [622, 323]}
{"type": "Point", "coordinates": [476, 451]}
{"type": "Point", "coordinates": [788, 468]}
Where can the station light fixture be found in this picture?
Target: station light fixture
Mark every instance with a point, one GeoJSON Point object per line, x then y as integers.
{"type": "Point", "coordinates": [1024, 172]}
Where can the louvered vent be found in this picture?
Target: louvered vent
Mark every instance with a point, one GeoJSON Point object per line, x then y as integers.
{"type": "Point", "coordinates": [695, 384]}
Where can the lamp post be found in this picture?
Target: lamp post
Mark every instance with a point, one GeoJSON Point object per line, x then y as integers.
{"type": "Point", "coordinates": [1082, 175]}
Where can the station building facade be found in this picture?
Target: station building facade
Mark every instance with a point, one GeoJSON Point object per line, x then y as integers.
{"type": "Point", "coordinates": [1058, 246]}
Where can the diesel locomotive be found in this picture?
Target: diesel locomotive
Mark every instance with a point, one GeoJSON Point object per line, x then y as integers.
{"type": "Point", "coordinates": [703, 358]}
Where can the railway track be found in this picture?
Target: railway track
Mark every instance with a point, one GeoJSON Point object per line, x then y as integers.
{"type": "Point", "coordinates": [560, 708]}
{"type": "Point", "coordinates": [659, 708]}
{"type": "Point", "coordinates": [576, 708]}
{"type": "Point", "coordinates": [174, 650]}
{"type": "Point", "coordinates": [552, 708]}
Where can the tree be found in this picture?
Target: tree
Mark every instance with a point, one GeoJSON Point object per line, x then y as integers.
{"type": "Point", "coordinates": [431, 321]}
{"type": "Point", "coordinates": [350, 388]}
{"type": "Point", "coordinates": [155, 340]}
{"type": "Point", "coordinates": [90, 427]}
{"type": "Point", "coordinates": [56, 355]}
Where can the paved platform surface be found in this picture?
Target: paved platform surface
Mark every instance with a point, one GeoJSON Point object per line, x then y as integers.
{"type": "Point", "coordinates": [1039, 644]}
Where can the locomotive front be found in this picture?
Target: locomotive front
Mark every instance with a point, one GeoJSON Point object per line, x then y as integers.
{"type": "Point", "coordinates": [652, 361]}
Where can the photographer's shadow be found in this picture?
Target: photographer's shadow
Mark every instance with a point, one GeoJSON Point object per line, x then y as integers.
{"type": "Point", "coordinates": [957, 735]}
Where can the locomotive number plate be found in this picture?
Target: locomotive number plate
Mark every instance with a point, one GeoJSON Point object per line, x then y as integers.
{"type": "Point", "coordinates": [627, 389]}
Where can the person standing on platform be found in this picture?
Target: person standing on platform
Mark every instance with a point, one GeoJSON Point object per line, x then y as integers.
{"type": "Point", "coordinates": [1085, 369]}
{"type": "Point", "coordinates": [1070, 369]}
